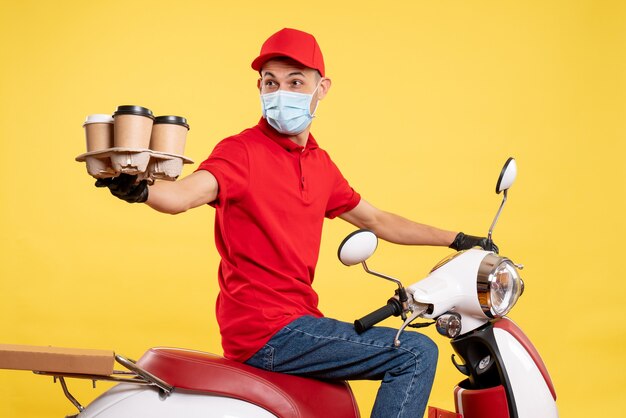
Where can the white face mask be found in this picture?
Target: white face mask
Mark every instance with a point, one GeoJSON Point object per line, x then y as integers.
{"type": "Point", "coordinates": [288, 112]}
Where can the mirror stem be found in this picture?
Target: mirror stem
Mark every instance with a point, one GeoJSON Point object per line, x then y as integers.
{"type": "Point", "coordinates": [495, 220]}
{"type": "Point", "coordinates": [382, 276]}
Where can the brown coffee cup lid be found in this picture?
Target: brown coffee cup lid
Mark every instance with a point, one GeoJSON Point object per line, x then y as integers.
{"type": "Point", "coordinates": [174, 120]}
{"type": "Point", "coordinates": [133, 110]}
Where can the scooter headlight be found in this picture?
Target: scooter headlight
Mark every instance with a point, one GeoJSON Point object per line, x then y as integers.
{"type": "Point", "coordinates": [499, 285]}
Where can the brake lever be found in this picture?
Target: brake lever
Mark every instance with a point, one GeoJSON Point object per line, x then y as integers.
{"type": "Point", "coordinates": [421, 309]}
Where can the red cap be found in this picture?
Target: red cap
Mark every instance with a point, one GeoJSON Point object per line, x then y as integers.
{"type": "Point", "coordinates": [295, 44]}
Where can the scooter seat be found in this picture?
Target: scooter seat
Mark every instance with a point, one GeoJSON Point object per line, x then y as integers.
{"type": "Point", "coordinates": [283, 395]}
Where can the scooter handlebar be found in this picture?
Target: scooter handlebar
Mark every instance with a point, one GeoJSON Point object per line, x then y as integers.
{"type": "Point", "coordinates": [392, 308]}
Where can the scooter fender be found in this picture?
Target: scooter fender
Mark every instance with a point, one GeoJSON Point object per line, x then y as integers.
{"type": "Point", "coordinates": [132, 401]}
{"type": "Point", "coordinates": [529, 379]}
{"type": "Point", "coordinates": [507, 379]}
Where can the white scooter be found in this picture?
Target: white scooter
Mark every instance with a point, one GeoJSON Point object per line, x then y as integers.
{"type": "Point", "coordinates": [468, 294]}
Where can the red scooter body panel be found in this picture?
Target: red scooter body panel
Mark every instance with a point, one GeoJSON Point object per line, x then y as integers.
{"type": "Point", "coordinates": [441, 413]}
{"type": "Point", "coordinates": [283, 395]}
{"type": "Point", "coordinates": [481, 403]}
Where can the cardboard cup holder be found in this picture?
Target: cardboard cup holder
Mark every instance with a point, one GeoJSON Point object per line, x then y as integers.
{"type": "Point", "coordinates": [99, 167]}
{"type": "Point", "coordinates": [165, 166]}
{"type": "Point", "coordinates": [146, 164]}
{"type": "Point", "coordinates": [129, 161]}
{"type": "Point", "coordinates": [134, 142]}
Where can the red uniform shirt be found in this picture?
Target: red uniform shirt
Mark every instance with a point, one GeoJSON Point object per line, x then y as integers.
{"type": "Point", "coordinates": [273, 197]}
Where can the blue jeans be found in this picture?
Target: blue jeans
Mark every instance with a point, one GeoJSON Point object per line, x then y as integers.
{"type": "Point", "coordinates": [325, 348]}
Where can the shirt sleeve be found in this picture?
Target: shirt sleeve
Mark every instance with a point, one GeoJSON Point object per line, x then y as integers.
{"type": "Point", "coordinates": [343, 198]}
{"type": "Point", "coordinates": [229, 164]}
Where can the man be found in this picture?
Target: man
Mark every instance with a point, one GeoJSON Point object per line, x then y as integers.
{"type": "Point", "coordinates": [272, 186]}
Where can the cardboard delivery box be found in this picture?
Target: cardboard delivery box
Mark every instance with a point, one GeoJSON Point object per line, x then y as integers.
{"type": "Point", "coordinates": [57, 359]}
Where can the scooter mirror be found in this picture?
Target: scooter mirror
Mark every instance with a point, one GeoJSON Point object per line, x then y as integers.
{"type": "Point", "coordinates": [507, 175]}
{"type": "Point", "coordinates": [357, 247]}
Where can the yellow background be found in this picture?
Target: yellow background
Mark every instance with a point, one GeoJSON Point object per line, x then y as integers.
{"type": "Point", "coordinates": [428, 100]}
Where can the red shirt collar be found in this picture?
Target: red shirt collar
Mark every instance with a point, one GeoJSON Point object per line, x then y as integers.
{"type": "Point", "coordinates": [283, 140]}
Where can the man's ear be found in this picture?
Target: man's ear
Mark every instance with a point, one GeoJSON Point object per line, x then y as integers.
{"type": "Point", "coordinates": [258, 84]}
{"type": "Point", "coordinates": [322, 91]}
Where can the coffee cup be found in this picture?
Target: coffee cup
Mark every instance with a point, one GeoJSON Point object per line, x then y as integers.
{"type": "Point", "coordinates": [132, 127]}
{"type": "Point", "coordinates": [98, 132]}
{"type": "Point", "coordinates": [169, 134]}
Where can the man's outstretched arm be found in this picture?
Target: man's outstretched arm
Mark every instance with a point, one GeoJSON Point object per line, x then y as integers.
{"type": "Point", "coordinates": [192, 191]}
{"type": "Point", "coordinates": [195, 190]}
